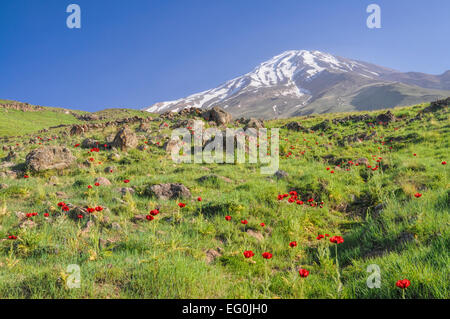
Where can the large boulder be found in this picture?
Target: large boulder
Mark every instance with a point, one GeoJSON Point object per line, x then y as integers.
{"type": "Point", "coordinates": [49, 157]}
{"type": "Point", "coordinates": [218, 115]}
{"type": "Point", "coordinates": [125, 139]}
{"type": "Point", "coordinates": [170, 191]}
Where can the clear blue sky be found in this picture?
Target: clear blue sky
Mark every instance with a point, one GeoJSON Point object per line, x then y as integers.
{"type": "Point", "coordinates": [137, 52]}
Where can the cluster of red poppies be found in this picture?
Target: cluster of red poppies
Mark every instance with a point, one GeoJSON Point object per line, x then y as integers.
{"type": "Point", "coordinates": [152, 214]}
{"type": "Point", "coordinates": [337, 239]}
{"type": "Point", "coordinates": [63, 206]}
{"type": "Point", "coordinates": [293, 197]}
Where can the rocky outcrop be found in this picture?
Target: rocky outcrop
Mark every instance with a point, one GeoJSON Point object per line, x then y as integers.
{"type": "Point", "coordinates": [49, 157]}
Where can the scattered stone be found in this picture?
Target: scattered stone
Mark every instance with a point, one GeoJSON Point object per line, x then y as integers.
{"type": "Point", "coordinates": [49, 157]}
{"type": "Point", "coordinates": [362, 161]}
{"type": "Point", "coordinates": [170, 191]}
{"type": "Point", "coordinates": [11, 156]}
{"type": "Point", "coordinates": [213, 177]}
{"type": "Point", "coordinates": [255, 234]}
{"type": "Point", "coordinates": [89, 143]}
{"type": "Point", "coordinates": [295, 126]}
{"type": "Point", "coordinates": [102, 181]}
{"type": "Point", "coordinates": [254, 123]}
{"type": "Point", "coordinates": [218, 115]}
{"type": "Point", "coordinates": [61, 195]}
{"type": "Point", "coordinates": [109, 169]}
{"type": "Point", "coordinates": [211, 255]}
{"type": "Point", "coordinates": [138, 218]}
{"type": "Point", "coordinates": [437, 105]}
{"type": "Point", "coordinates": [28, 224]}
{"type": "Point", "coordinates": [125, 190]}
{"type": "Point", "coordinates": [172, 144]}
{"type": "Point", "coordinates": [116, 226]}
{"type": "Point", "coordinates": [386, 117]}
{"type": "Point", "coordinates": [281, 174]}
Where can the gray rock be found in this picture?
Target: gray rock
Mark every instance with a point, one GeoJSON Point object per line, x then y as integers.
{"type": "Point", "coordinates": [125, 139]}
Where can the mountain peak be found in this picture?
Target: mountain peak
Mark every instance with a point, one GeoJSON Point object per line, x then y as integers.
{"type": "Point", "coordinates": [295, 81]}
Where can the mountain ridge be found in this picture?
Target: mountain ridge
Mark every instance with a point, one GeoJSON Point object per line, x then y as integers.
{"type": "Point", "coordinates": [300, 82]}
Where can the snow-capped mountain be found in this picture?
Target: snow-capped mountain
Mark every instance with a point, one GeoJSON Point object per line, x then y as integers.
{"type": "Point", "coordinates": [304, 82]}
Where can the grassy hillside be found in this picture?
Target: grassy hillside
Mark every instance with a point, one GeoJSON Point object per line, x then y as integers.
{"type": "Point", "coordinates": [16, 122]}
{"type": "Point", "coordinates": [194, 252]}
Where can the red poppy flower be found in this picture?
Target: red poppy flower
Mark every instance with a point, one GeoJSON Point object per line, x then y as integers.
{"type": "Point", "coordinates": [403, 284]}
{"type": "Point", "coordinates": [249, 254]}
{"type": "Point", "coordinates": [25, 176]}
{"type": "Point", "coordinates": [415, 154]}
{"type": "Point", "coordinates": [228, 218]}
{"type": "Point", "coordinates": [181, 205]}
{"type": "Point", "coordinates": [332, 172]}
{"type": "Point", "coordinates": [61, 204]}
{"type": "Point", "coordinates": [91, 159]}
{"type": "Point", "coordinates": [80, 216]}
{"type": "Point", "coordinates": [154, 212]}
{"type": "Point", "coordinates": [293, 244]}
{"type": "Point", "coordinates": [245, 222]}
{"type": "Point", "coordinates": [199, 199]}
{"type": "Point", "coordinates": [46, 214]}
{"type": "Point", "coordinates": [150, 217]}
{"type": "Point", "coordinates": [291, 200]}
{"type": "Point", "coordinates": [337, 239]}
{"type": "Point", "coordinates": [89, 186]}
{"type": "Point", "coordinates": [267, 255]}
{"type": "Point", "coordinates": [99, 208]}
{"type": "Point", "coordinates": [280, 197]}
{"type": "Point", "coordinates": [326, 235]}
{"type": "Point", "coordinates": [262, 224]}
{"type": "Point", "coordinates": [12, 237]}
{"type": "Point", "coordinates": [417, 195]}
{"type": "Point", "coordinates": [444, 163]}
{"type": "Point", "coordinates": [303, 273]}
{"type": "Point", "coordinates": [299, 202]}
{"type": "Point", "coordinates": [76, 145]}
{"type": "Point", "coordinates": [90, 210]}
{"type": "Point", "coordinates": [320, 237]}
{"type": "Point", "coordinates": [126, 181]}
{"type": "Point", "coordinates": [97, 184]}
{"type": "Point", "coordinates": [65, 208]}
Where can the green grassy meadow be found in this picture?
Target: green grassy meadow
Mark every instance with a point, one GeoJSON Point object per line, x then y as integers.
{"type": "Point", "coordinates": [375, 211]}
